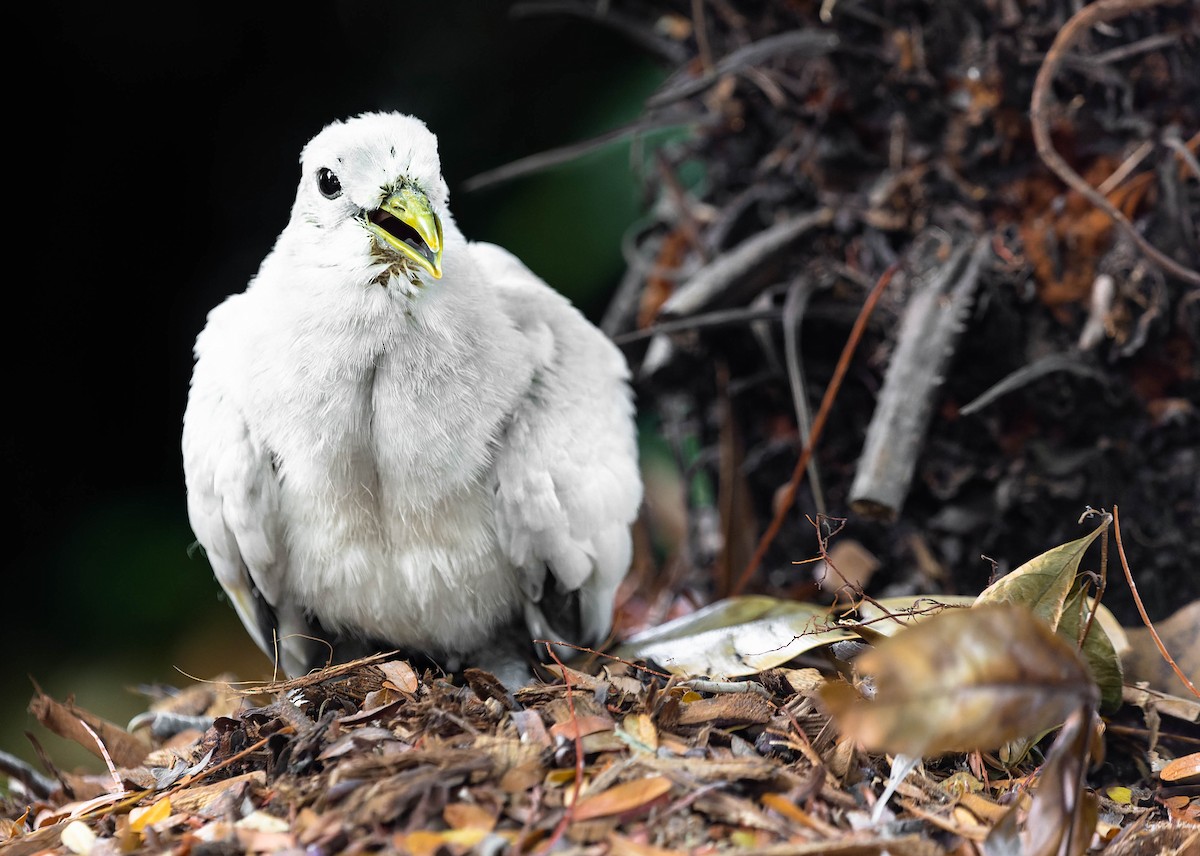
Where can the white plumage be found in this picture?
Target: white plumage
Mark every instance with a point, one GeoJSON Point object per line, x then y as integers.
{"type": "Point", "coordinates": [398, 438]}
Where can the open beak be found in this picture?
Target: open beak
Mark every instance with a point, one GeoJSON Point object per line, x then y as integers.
{"type": "Point", "coordinates": [405, 222]}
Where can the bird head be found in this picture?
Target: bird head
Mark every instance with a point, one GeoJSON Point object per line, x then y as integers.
{"type": "Point", "coordinates": [372, 188]}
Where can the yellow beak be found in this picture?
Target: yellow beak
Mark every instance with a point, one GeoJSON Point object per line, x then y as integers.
{"type": "Point", "coordinates": [405, 221]}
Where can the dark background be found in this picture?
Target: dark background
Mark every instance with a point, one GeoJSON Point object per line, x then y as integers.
{"type": "Point", "coordinates": [156, 158]}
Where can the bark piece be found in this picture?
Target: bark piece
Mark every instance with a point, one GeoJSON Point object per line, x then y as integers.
{"type": "Point", "coordinates": [928, 335]}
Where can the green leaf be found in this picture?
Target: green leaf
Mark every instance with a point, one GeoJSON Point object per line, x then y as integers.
{"type": "Point", "coordinates": [1043, 583]}
{"type": "Point", "coordinates": [1098, 650]}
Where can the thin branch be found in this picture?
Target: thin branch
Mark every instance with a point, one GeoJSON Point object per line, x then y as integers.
{"type": "Point", "coordinates": [565, 154]}
{"type": "Point", "coordinates": [802, 44]}
{"type": "Point", "coordinates": [634, 30]}
{"type": "Point", "coordinates": [1162, 649]}
{"type": "Point", "coordinates": [835, 384]}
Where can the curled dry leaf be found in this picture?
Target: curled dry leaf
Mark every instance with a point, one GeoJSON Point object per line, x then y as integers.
{"type": "Point", "coordinates": [963, 680]}
{"type": "Point", "coordinates": [1063, 813]}
{"type": "Point", "coordinates": [736, 637]}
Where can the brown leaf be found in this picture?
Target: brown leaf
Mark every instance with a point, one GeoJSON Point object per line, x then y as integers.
{"type": "Point", "coordinates": [722, 710]}
{"type": "Point", "coordinates": [64, 720]}
{"type": "Point", "coordinates": [1063, 813]}
{"type": "Point", "coordinates": [963, 680]}
{"type": "Point", "coordinates": [622, 798]}
{"type": "Point", "coordinates": [1180, 634]}
{"type": "Point", "coordinates": [399, 675]}
{"type": "Point", "coordinates": [1182, 771]}
{"type": "Point", "coordinates": [581, 726]}
{"type": "Point", "coordinates": [461, 815]}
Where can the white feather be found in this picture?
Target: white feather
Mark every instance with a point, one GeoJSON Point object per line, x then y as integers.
{"type": "Point", "coordinates": [401, 460]}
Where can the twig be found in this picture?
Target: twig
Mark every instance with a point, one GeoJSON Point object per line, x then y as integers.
{"type": "Point", "coordinates": [35, 783]}
{"type": "Point", "coordinates": [1122, 172]}
{"type": "Point", "coordinates": [717, 318]}
{"type": "Point", "coordinates": [119, 787]}
{"type": "Point", "coordinates": [803, 44]}
{"type": "Point", "coordinates": [700, 25]}
{"type": "Point", "coordinates": [566, 154]}
{"type": "Point", "coordinates": [835, 384]}
{"type": "Point", "coordinates": [793, 311]}
{"type": "Point", "coordinates": [601, 655]}
{"type": "Point", "coordinates": [1026, 374]}
{"type": "Point", "coordinates": [188, 781]}
{"type": "Point", "coordinates": [1162, 649]}
{"type": "Point", "coordinates": [1184, 151]}
{"type": "Point", "coordinates": [929, 331]}
{"type": "Point", "coordinates": [1080, 23]}
{"type": "Point", "coordinates": [635, 30]}
{"type": "Point", "coordinates": [701, 685]}
{"type": "Point", "coordinates": [731, 268]}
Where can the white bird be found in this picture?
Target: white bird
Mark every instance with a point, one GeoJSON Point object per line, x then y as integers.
{"type": "Point", "coordinates": [397, 438]}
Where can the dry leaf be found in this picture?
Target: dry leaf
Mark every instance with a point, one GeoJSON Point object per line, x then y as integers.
{"type": "Point", "coordinates": [1182, 771]}
{"type": "Point", "coordinates": [640, 728]}
{"type": "Point", "coordinates": [726, 710]}
{"type": "Point", "coordinates": [581, 726]}
{"type": "Point", "coordinates": [622, 798]}
{"type": "Point", "coordinates": [965, 679]}
{"type": "Point", "coordinates": [78, 837]}
{"type": "Point", "coordinates": [140, 818]}
{"type": "Point", "coordinates": [64, 719]}
{"type": "Point", "coordinates": [462, 815]}
{"type": "Point", "coordinates": [399, 675]}
{"type": "Point", "coordinates": [1043, 583]}
{"type": "Point", "coordinates": [1180, 634]}
{"type": "Point", "coordinates": [736, 637]}
{"type": "Point", "coordinates": [1063, 813]}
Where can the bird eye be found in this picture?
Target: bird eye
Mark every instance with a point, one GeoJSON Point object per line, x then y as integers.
{"type": "Point", "coordinates": [328, 183]}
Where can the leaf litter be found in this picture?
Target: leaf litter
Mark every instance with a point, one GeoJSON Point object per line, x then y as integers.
{"type": "Point", "coordinates": [890, 745]}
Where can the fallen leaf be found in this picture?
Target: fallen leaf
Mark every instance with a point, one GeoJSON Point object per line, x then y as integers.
{"type": "Point", "coordinates": [140, 818]}
{"type": "Point", "coordinates": [1043, 583]}
{"type": "Point", "coordinates": [78, 837]}
{"type": "Point", "coordinates": [725, 710]}
{"type": "Point", "coordinates": [1180, 635]}
{"type": "Point", "coordinates": [736, 637]}
{"type": "Point", "coordinates": [640, 728]}
{"type": "Point", "coordinates": [1098, 651]}
{"type": "Point", "coordinates": [399, 675]}
{"type": "Point", "coordinates": [1182, 771]}
{"type": "Point", "coordinates": [581, 726]}
{"type": "Point", "coordinates": [622, 798]}
{"type": "Point", "coordinates": [963, 680]}
{"type": "Point", "coordinates": [1063, 813]}
{"type": "Point", "coordinates": [461, 815]}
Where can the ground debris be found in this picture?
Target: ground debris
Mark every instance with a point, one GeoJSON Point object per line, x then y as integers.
{"type": "Point", "coordinates": [830, 145]}
{"type": "Point", "coordinates": [440, 769]}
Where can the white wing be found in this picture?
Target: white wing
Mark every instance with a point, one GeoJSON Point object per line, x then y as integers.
{"type": "Point", "coordinates": [233, 506]}
{"type": "Point", "coordinates": [568, 487]}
